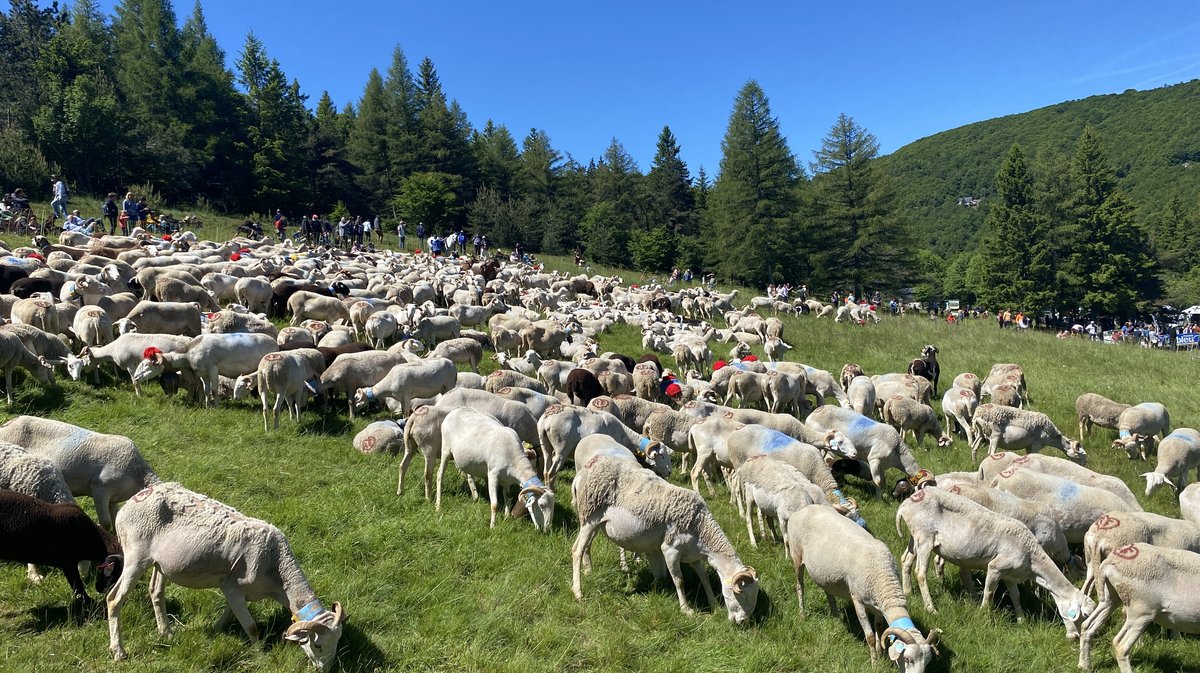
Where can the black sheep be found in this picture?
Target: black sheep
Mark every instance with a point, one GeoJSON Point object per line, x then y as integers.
{"type": "Point", "coordinates": [926, 366]}
{"type": "Point", "coordinates": [59, 535]}
{"type": "Point", "coordinates": [27, 287]}
{"type": "Point", "coordinates": [650, 357]}
{"type": "Point", "coordinates": [583, 386]}
{"type": "Point", "coordinates": [625, 360]}
{"type": "Point", "coordinates": [10, 275]}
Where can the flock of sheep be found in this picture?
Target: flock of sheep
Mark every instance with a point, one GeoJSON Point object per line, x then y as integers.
{"type": "Point", "coordinates": [393, 330]}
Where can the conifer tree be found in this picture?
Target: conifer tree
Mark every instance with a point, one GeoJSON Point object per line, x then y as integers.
{"type": "Point", "coordinates": [368, 144]}
{"type": "Point", "coordinates": [752, 203]}
{"type": "Point", "coordinates": [1009, 240]}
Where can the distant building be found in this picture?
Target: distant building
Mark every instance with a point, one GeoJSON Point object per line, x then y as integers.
{"type": "Point", "coordinates": [969, 201]}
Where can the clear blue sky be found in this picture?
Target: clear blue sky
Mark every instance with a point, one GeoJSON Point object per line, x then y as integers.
{"type": "Point", "coordinates": [590, 71]}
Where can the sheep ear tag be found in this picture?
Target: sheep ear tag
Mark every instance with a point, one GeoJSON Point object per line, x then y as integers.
{"type": "Point", "coordinates": [1072, 613]}
{"type": "Point", "coordinates": [896, 650]}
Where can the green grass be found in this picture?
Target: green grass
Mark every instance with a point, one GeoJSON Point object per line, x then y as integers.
{"type": "Point", "coordinates": [442, 592]}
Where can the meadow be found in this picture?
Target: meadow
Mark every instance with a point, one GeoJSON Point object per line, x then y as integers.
{"type": "Point", "coordinates": [425, 591]}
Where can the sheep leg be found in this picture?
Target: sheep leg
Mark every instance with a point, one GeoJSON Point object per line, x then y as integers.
{"type": "Point", "coordinates": [583, 542]}
{"type": "Point", "coordinates": [1090, 627]}
{"type": "Point", "coordinates": [158, 600]}
{"type": "Point", "coordinates": [967, 582]}
{"type": "Point", "coordinates": [409, 454]}
{"type": "Point", "coordinates": [864, 621]}
{"type": "Point", "coordinates": [989, 587]}
{"type": "Point", "coordinates": [762, 527]}
{"type": "Point", "coordinates": [34, 574]}
{"type": "Point", "coordinates": [437, 502]}
{"type": "Point", "coordinates": [237, 603]}
{"type": "Point", "coordinates": [922, 556]}
{"type": "Point", "coordinates": [493, 495]}
{"type": "Point", "coordinates": [78, 588]}
{"type": "Point", "coordinates": [262, 394]}
{"type": "Point", "coordinates": [749, 524]}
{"type": "Point", "coordinates": [134, 569]}
{"type": "Point", "coordinates": [8, 372]}
{"type": "Point", "coordinates": [877, 476]}
{"type": "Point", "coordinates": [702, 572]}
{"type": "Point", "coordinates": [472, 488]}
{"type": "Point", "coordinates": [1133, 628]}
{"type": "Point", "coordinates": [906, 563]}
{"type": "Point", "coordinates": [671, 557]}
{"type": "Point", "coordinates": [798, 563]}
{"type": "Point", "coordinates": [102, 500]}
{"type": "Point", "coordinates": [279, 401]}
{"type": "Point", "coordinates": [1014, 592]}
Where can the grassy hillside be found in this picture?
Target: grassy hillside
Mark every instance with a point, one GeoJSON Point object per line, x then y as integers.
{"type": "Point", "coordinates": [442, 592]}
{"type": "Point", "coordinates": [1150, 137]}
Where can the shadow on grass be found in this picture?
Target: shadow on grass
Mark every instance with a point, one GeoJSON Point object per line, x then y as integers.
{"type": "Point", "coordinates": [41, 400]}
{"type": "Point", "coordinates": [50, 616]}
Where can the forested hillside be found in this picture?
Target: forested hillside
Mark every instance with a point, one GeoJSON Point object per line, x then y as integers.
{"type": "Point", "coordinates": [1151, 139]}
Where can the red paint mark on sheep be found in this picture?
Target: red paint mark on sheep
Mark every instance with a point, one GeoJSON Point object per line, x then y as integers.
{"type": "Point", "coordinates": [592, 461]}
{"type": "Point", "coordinates": [1128, 552]}
{"type": "Point", "coordinates": [1107, 522]}
{"type": "Point", "coordinates": [599, 404]}
{"type": "Point", "coordinates": [998, 456]}
{"type": "Point", "coordinates": [1007, 473]}
{"type": "Point", "coordinates": [918, 496]}
{"type": "Point", "coordinates": [727, 414]}
{"type": "Point", "coordinates": [142, 494]}
{"type": "Point", "coordinates": [1021, 460]}
{"type": "Point", "coordinates": [953, 489]}
{"type": "Point", "coordinates": [272, 357]}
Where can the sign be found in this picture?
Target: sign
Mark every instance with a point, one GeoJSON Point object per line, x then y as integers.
{"type": "Point", "coordinates": [1187, 339]}
{"type": "Point", "coordinates": [952, 304]}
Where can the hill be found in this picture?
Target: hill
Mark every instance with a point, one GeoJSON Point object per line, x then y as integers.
{"type": "Point", "coordinates": [1150, 137]}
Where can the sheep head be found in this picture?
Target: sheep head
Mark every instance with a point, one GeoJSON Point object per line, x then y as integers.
{"type": "Point", "coordinates": [538, 500]}
{"type": "Point", "coordinates": [319, 636]}
{"type": "Point", "coordinates": [740, 591]}
{"type": "Point", "coordinates": [1134, 445]}
{"type": "Point", "coordinates": [908, 649]}
{"type": "Point", "coordinates": [1156, 479]}
{"type": "Point", "coordinates": [152, 365]}
{"type": "Point", "coordinates": [838, 443]}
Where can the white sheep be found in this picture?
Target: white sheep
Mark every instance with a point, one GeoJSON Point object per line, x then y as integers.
{"type": "Point", "coordinates": [848, 562]}
{"type": "Point", "coordinates": [974, 537]}
{"type": "Point", "coordinates": [560, 430]}
{"type": "Point", "coordinates": [292, 375]}
{"type": "Point", "coordinates": [1093, 409]}
{"type": "Point", "coordinates": [162, 317]}
{"type": "Point", "coordinates": [408, 380]}
{"type": "Point", "coordinates": [485, 449]}
{"type": "Point", "coordinates": [777, 490]}
{"type": "Point", "coordinates": [879, 444]}
{"type": "Point", "coordinates": [1189, 503]}
{"type": "Point", "coordinates": [1178, 453]}
{"type": "Point", "coordinates": [958, 408]}
{"type": "Point", "coordinates": [197, 542]}
{"type": "Point", "coordinates": [352, 371]}
{"type": "Point", "coordinates": [126, 352]}
{"type": "Point", "coordinates": [1009, 428]}
{"type": "Point", "coordinates": [1117, 529]}
{"type": "Point", "coordinates": [668, 525]}
{"type": "Point", "coordinates": [1139, 424]}
{"type": "Point", "coordinates": [776, 349]}
{"type": "Point", "coordinates": [1156, 585]}
{"type": "Point", "coordinates": [996, 463]}
{"type": "Point", "coordinates": [861, 393]}
{"type": "Point", "coordinates": [503, 378]}
{"type": "Point", "coordinates": [253, 292]}
{"type": "Point", "coordinates": [1075, 506]}
{"type": "Point", "coordinates": [908, 415]}
{"type": "Point", "coordinates": [1044, 528]}
{"type": "Point", "coordinates": [536, 402]}
{"type": "Point", "coordinates": [108, 468]}
{"type": "Point", "coordinates": [13, 354]}
{"type": "Point", "coordinates": [304, 304]}
{"type": "Point", "coordinates": [462, 350]}
{"type": "Point", "coordinates": [210, 356]}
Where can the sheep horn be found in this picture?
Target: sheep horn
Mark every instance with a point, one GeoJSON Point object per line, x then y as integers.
{"type": "Point", "coordinates": [746, 573]}
{"type": "Point", "coordinates": [338, 615]}
{"type": "Point", "coordinates": [902, 635]}
{"type": "Point", "coordinates": [295, 627]}
{"type": "Point", "coordinates": [535, 491]}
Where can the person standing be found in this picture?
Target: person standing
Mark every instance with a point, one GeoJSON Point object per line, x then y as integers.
{"type": "Point", "coordinates": [462, 242]}
{"type": "Point", "coordinates": [484, 243]}
{"type": "Point", "coordinates": [110, 212]}
{"type": "Point", "coordinates": [366, 226]}
{"type": "Point", "coordinates": [421, 231]}
{"type": "Point", "coordinates": [129, 209]}
{"type": "Point", "coordinates": [58, 201]}
{"type": "Point", "coordinates": [400, 233]}
{"type": "Point", "coordinates": [478, 243]}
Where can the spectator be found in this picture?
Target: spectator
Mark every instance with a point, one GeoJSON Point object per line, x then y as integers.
{"type": "Point", "coordinates": [462, 242]}
{"type": "Point", "coordinates": [484, 243]}
{"type": "Point", "coordinates": [75, 223]}
{"type": "Point", "coordinates": [400, 233]}
{"type": "Point", "coordinates": [421, 230]}
{"type": "Point", "coordinates": [110, 212]}
{"type": "Point", "coordinates": [129, 210]}
{"type": "Point", "coordinates": [477, 242]}
{"type": "Point", "coordinates": [58, 201]}
{"type": "Point", "coordinates": [1092, 330]}
{"type": "Point", "coordinates": [366, 227]}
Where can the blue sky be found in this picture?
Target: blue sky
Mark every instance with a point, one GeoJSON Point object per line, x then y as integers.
{"type": "Point", "coordinates": [588, 72]}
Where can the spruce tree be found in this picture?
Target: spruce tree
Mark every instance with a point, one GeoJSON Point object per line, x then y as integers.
{"type": "Point", "coordinates": [751, 205]}
{"type": "Point", "coordinates": [368, 145]}
{"type": "Point", "coordinates": [1009, 243]}
{"type": "Point", "coordinates": [856, 235]}
{"type": "Point", "coordinates": [402, 127]}
{"type": "Point", "coordinates": [332, 172]}
{"type": "Point", "coordinates": [497, 158]}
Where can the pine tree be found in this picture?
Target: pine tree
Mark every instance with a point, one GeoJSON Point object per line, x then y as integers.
{"type": "Point", "coordinates": [402, 128]}
{"type": "Point", "coordinates": [1008, 244]}
{"type": "Point", "coordinates": [368, 144]}
{"type": "Point", "coordinates": [498, 159]}
{"type": "Point", "coordinates": [332, 172]}
{"type": "Point", "coordinates": [856, 235]}
{"type": "Point", "coordinates": [751, 205]}
{"type": "Point", "coordinates": [278, 130]}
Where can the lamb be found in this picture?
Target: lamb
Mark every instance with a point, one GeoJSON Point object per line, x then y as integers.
{"type": "Point", "coordinates": [583, 387]}
{"type": "Point", "coordinates": [1178, 453]}
{"type": "Point", "coordinates": [996, 463]}
{"type": "Point", "coordinates": [775, 348]}
{"type": "Point", "coordinates": [861, 393]}
{"type": "Point", "coordinates": [502, 378]}
{"type": "Point", "coordinates": [210, 356]}
{"type": "Point", "coordinates": [197, 542]}
{"type": "Point", "coordinates": [527, 365]}
{"type": "Point", "coordinates": [1114, 530]}
{"type": "Point", "coordinates": [1140, 423]}
{"type": "Point", "coordinates": [561, 428]}
{"type": "Point", "coordinates": [974, 537]}
{"type": "Point", "coordinates": [1075, 506]}
{"type": "Point", "coordinates": [669, 525]}
{"type": "Point", "coordinates": [906, 414]}
{"type": "Point", "coordinates": [424, 378]}
{"type": "Point", "coordinates": [1156, 585]}
{"type": "Point", "coordinates": [109, 468]}
{"type": "Point", "coordinates": [13, 354]}
{"type": "Point", "coordinates": [777, 490]}
{"type": "Point", "coordinates": [484, 448]}
{"type": "Point", "coordinates": [880, 444]}
{"type": "Point", "coordinates": [292, 376]}
{"type": "Point", "coordinates": [1093, 409]}
{"type": "Point", "coordinates": [848, 562]}
{"type": "Point", "coordinates": [1045, 529]}
{"type": "Point", "coordinates": [958, 408]}
{"type": "Point", "coordinates": [1009, 428]}
{"type": "Point", "coordinates": [462, 350]}
{"type": "Point", "coordinates": [60, 535]}
{"type": "Point", "coordinates": [160, 317]}
{"type": "Point", "coordinates": [304, 304]}
{"type": "Point", "coordinates": [349, 372]}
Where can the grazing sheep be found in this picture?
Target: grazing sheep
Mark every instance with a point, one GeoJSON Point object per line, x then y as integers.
{"type": "Point", "coordinates": [974, 537]}
{"type": "Point", "coordinates": [92, 327]}
{"type": "Point", "coordinates": [1093, 409]}
{"type": "Point", "coordinates": [969, 381]}
{"type": "Point", "coordinates": [958, 408]}
{"type": "Point", "coordinates": [233, 322]}
{"type": "Point", "coordinates": [879, 444]}
{"type": "Point", "coordinates": [503, 378]}
{"type": "Point", "coordinates": [485, 449]}
{"type": "Point", "coordinates": [1074, 506]}
{"type": "Point", "coordinates": [197, 542]}
{"type": "Point", "coordinates": [1009, 428]}
{"type": "Point", "coordinates": [998, 462]}
{"type": "Point", "coordinates": [159, 317]}
{"type": "Point", "coordinates": [305, 305]}
{"type": "Point", "coordinates": [254, 293]}
{"type": "Point", "coordinates": [175, 290]}
{"type": "Point", "coordinates": [1156, 585]}
{"type": "Point", "coordinates": [34, 476]}
{"type": "Point", "coordinates": [640, 512]}
{"type": "Point", "coordinates": [380, 328]}
{"type": "Point", "coordinates": [296, 337]}
{"type": "Point", "coordinates": [849, 372]}
{"type": "Point", "coordinates": [561, 428]}
{"type": "Point", "coordinates": [1178, 453]}
{"type": "Point", "coordinates": [536, 402]}
{"type": "Point", "coordinates": [861, 393]}
{"type": "Point", "coordinates": [1141, 423]}
{"type": "Point", "coordinates": [776, 349]}
{"type": "Point", "coordinates": [788, 425]}
{"type": "Point", "coordinates": [13, 354]}
{"type": "Point", "coordinates": [749, 387]}
{"type": "Point", "coordinates": [1006, 395]}
{"type": "Point", "coordinates": [527, 365]}
{"type": "Point", "coordinates": [126, 352]}
{"type": "Point", "coordinates": [462, 350]}
{"type": "Point", "coordinates": [380, 436]}
{"type": "Point", "coordinates": [37, 312]}
{"type": "Point", "coordinates": [906, 415]}
{"type": "Point", "coordinates": [671, 428]}
{"type": "Point", "coordinates": [1010, 374]}
{"type": "Point", "coordinates": [408, 380]}
{"type": "Point", "coordinates": [848, 562]}
{"type": "Point", "coordinates": [888, 385]}
{"type": "Point", "coordinates": [632, 411]}
{"type": "Point", "coordinates": [292, 376]}
{"type": "Point", "coordinates": [1117, 529]}
{"type": "Point", "coordinates": [209, 356]}
{"type": "Point", "coordinates": [59, 535]}
{"type": "Point", "coordinates": [777, 490]}
{"type": "Point", "coordinates": [108, 468]}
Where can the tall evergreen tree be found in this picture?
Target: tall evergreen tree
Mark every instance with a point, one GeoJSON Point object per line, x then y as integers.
{"type": "Point", "coordinates": [332, 172]}
{"type": "Point", "coordinates": [607, 231]}
{"type": "Point", "coordinates": [403, 129]}
{"type": "Point", "coordinates": [751, 205]}
{"type": "Point", "coordinates": [24, 33]}
{"type": "Point", "coordinates": [368, 144]}
{"type": "Point", "coordinates": [1010, 240]}
{"type": "Point", "coordinates": [541, 166]}
{"type": "Point", "coordinates": [671, 213]}
{"type": "Point", "coordinates": [856, 234]}
{"type": "Point", "coordinates": [278, 130]}
{"type": "Point", "coordinates": [498, 159]}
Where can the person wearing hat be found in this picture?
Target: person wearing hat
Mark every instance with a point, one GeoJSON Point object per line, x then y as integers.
{"type": "Point", "coordinates": [58, 202]}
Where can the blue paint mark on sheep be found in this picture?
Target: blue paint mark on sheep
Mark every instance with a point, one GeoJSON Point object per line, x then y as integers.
{"type": "Point", "coordinates": [75, 439]}
{"type": "Point", "coordinates": [1068, 492]}
{"type": "Point", "coordinates": [861, 423]}
{"type": "Point", "coordinates": [1178, 435]}
{"type": "Point", "coordinates": [1123, 434]}
{"type": "Point", "coordinates": [532, 481]}
{"type": "Point", "coordinates": [776, 441]}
